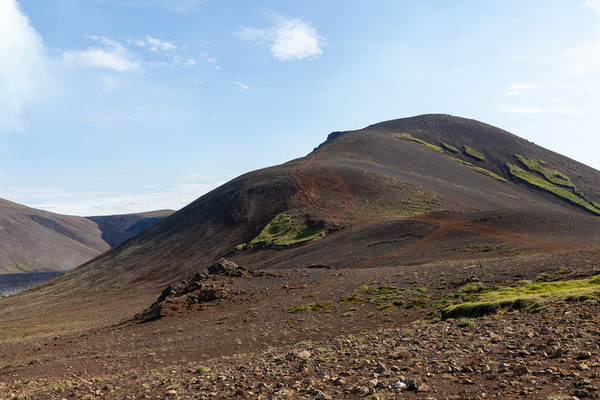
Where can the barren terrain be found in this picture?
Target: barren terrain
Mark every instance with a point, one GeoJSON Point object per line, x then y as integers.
{"type": "Point", "coordinates": [341, 270]}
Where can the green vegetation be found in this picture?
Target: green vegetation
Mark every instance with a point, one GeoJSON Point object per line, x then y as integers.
{"type": "Point", "coordinates": [152, 316]}
{"type": "Point", "coordinates": [201, 370]}
{"type": "Point", "coordinates": [485, 248]}
{"type": "Point", "coordinates": [324, 306]}
{"type": "Point", "coordinates": [465, 324]}
{"type": "Point", "coordinates": [551, 175]}
{"type": "Point", "coordinates": [352, 299]}
{"type": "Point", "coordinates": [479, 300]}
{"type": "Point", "coordinates": [481, 170]}
{"type": "Point", "coordinates": [408, 136]}
{"type": "Point", "coordinates": [449, 147]}
{"type": "Point", "coordinates": [388, 298]}
{"type": "Point", "coordinates": [471, 152]}
{"type": "Point", "coordinates": [468, 150]}
{"type": "Point", "coordinates": [557, 190]}
{"type": "Point", "coordinates": [287, 229]}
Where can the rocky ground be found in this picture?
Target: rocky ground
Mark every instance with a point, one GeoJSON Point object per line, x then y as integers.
{"type": "Point", "coordinates": [553, 354]}
{"type": "Point", "coordinates": [319, 333]}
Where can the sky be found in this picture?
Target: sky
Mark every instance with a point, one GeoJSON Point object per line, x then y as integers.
{"type": "Point", "coordinates": [118, 106]}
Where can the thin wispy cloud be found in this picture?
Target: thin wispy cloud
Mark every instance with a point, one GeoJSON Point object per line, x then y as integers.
{"type": "Point", "coordinates": [514, 89]}
{"type": "Point", "coordinates": [586, 57]}
{"type": "Point", "coordinates": [155, 44]}
{"type": "Point", "coordinates": [111, 55]}
{"type": "Point", "coordinates": [241, 85]}
{"type": "Point", "coordinates": [87, 204]}
{"type": "Point", "coordinates": [288, 39]}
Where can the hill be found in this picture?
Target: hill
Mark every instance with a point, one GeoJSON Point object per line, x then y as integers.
{"type": "Point", "coordinates": [40, 241]}
{"type": "Point", "coordinates": [35, 240]}
{"type": "Point", "coordinates": [358, 184]}
{"type": "Point", "coordinates": [400, 230]}
{"type": "Point", "coordinates": [118, 228]}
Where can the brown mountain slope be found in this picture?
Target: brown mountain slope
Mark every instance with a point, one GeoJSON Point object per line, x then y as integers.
{"type": "Point", "coordinates": [367, 192]}
{"type": "Point", "coordinates": [36, 241]}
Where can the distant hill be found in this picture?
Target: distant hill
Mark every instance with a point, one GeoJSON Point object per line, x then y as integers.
{"type": "Point", "coordinates": [118, 228]}
{"type": "Point", "coordinates": [37, 241]}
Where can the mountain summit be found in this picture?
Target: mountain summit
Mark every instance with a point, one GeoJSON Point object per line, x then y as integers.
{"type": "Point", "coordinates": [377, 184]}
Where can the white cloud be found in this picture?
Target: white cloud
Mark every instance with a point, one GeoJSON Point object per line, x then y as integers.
{"type": "Point", "coordinates": [113, 55]}
{"type": "Point", "coordinates": [514, 89]}
{"type": "Point", "coordinates": [23, 65]}
{"type": "Point", "coordinates": [179, 60]}
{"type": "Point", "coordinates": [157, 44]}
{"type": "Point", "coordinates": [586, 58]}
{"type": "Point", "coordinates": [554, 100]}
{"type": "Point", "coordinates": [88, 204]}
{"type": "Point", "coordinates": [512, 93]}
{"type": "Point", "coordinates": [593, 4]}
{"type": "Point", "coordinates": [521, 86]}
{"type": "Point", "coordinates": [240, 84]}
{"type": "Point", "coordinates": [288, 39]}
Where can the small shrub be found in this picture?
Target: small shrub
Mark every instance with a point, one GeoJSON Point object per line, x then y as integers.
{"type": "Point", "coordinates": [201, 370]}
{"type": "Point", "coordinates": [352, 299]}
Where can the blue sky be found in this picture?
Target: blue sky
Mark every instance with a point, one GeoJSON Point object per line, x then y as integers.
{"type": "Point", "coordinates": [114, 106]}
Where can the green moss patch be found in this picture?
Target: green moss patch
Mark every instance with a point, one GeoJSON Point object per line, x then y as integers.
{"type": "Point", "coordinates": [352, 299]}
{"type": "Point", "coordinates": [480, 300]}
{"type": "Point", "coordinates": [481, 170]}
{"type": "Point", "coordinates": [550, 187]}
{"type": "Point", "coordinates": [324, 306]}
{"type": "Point", "coordinates": [471, 152]}
{"type": "Point", "coordinates": [408, 136]}
{"type": "Point", "coordinates": [387, 298]}
{"type": "Point", "coordinates": [551, 175]}
{"type": "Point", "coordinates": [287, 229]}
{"type": "Point", "coordinates": [449, 147]}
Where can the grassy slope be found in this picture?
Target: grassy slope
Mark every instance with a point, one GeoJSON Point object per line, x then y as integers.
{"type": "Point", "coordinates": [286, 229]}
{"type": "Point", "coordinates": [484, 301]}
{"type": "Point", "coordinates": [559, 191]}
{"type": "Point", "coordinates": [471, 152]}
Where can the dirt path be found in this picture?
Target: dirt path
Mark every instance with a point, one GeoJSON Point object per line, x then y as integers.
{"type": "Point", "coordinates": [448, 225]}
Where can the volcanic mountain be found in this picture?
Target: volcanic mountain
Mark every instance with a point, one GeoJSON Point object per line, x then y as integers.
{"type": "Point", "coordinates": [35, 240]}
{"type": "Point", "coordinates": [376, 228]}
{"type": "Point", "coordinates": [412, 190]}
{"type": "Point", "coordinates": [363, 187]}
